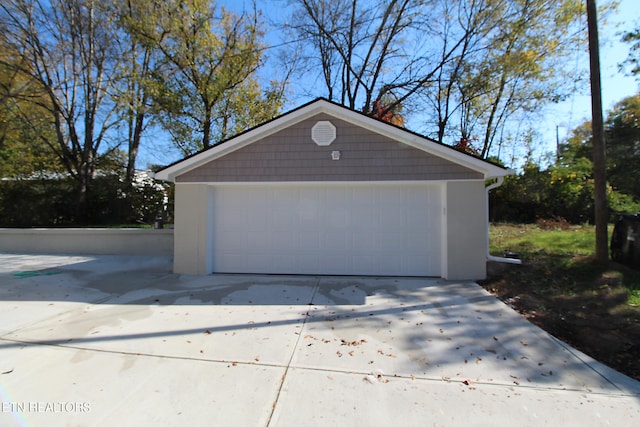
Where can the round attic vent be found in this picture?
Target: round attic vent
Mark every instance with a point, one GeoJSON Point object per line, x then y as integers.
{"type": "Point", "coordinates": [323, 133]}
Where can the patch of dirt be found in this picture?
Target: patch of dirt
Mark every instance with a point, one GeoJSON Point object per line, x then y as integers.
{"type": "Point", "coordinates": [588, 312]}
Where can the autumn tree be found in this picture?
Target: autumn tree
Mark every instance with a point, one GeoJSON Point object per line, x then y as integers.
{"type": "Point", "coordinates": [470, 22]}
{"type": "Point", "coordinates": [632, 63]}
{"type": "Point", "coordinates": [133, 78]}
{"type": "Point", "coordinates": [67, 49]}
{"type": "Point", "coordinates": [521, 65]}
{"type": "Point", "coordinates": [572, 178]}
{"type": "Point", "coordinates": [205, 86]}
{"type": "Point", "coordinates": [622, 129]}
{"type": "Point", "coordinates": [23, 124]}
{"type": "Point", "coordinates": [466, 66]}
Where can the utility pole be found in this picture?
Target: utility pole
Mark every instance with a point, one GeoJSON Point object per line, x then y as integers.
{"type": "Point", "coordinates": [599, 156]}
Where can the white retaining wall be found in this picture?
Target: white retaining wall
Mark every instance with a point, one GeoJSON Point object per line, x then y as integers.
{"type": "Point", "coordinates": [107, 241]}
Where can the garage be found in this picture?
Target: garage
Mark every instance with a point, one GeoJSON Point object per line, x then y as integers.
{"type": "Point", "coordinates": [365, 229]}
{"type": "Point", "coordinates": [324, 189]}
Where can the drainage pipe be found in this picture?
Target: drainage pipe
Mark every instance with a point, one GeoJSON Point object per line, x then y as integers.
{"type": "Point", "coordinates": [490, 257]}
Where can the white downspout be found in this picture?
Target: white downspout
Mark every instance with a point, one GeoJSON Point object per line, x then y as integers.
{"type": "Point", "coordinates": [490, 257]}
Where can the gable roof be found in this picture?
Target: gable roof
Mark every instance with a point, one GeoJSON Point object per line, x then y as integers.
{"type": "Point", "coordinates": [321, 105]}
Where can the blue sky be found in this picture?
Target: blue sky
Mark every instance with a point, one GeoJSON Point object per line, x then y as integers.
{"type": "Point", "coordinates": [615, 84]}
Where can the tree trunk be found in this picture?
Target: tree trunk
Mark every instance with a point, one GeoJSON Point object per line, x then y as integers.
{"type": "Point", "coordinates": [599, 157]}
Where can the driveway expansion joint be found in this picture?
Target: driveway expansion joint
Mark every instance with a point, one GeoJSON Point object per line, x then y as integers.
{"type": "Point", "coordinates": [293, 351]}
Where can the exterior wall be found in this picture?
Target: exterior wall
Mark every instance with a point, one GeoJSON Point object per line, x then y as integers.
{"type": "Point", "coordinates": [87, 241]}
{"type": "Point", "coordinates": [464, 239]}
{"type": "Point", "coordinates": [465, 242]}
{"type": "Point", "coordinates": [291, 155]}
{"type": "Point", "coordinates": [193, 240]}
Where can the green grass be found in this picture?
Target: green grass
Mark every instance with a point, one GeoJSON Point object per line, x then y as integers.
{"type": "Point", "coordinates": [634, 298]}
{"type": "Point", "coordinates": [561, 260]}
{"type": "Point", "coordinates": [528, 238]}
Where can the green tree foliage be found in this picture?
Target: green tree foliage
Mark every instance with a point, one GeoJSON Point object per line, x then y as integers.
{"type": "Point", "coordinates": [205, 87]}
{"type": "Point", "coordinates": [622, 128]}
{"type": "Point", "coordinates": [81, 81]}
{"type": "Point", "coordinates": [623, 146]}
{"type": "Point", "coordinates": [24, 126]}
{"type": "Point", "coordinates": [519, 66]}
{"type": "Point", "coordinates": [44, 201]}
{"type": "Point", "coordinates": [565, 189]}
{"type": "Point", "coordinates": [468, 66]}
{"type": "Point", "coordinates": [633, 59]}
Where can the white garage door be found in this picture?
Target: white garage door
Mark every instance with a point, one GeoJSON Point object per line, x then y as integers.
{"type": "Point", "coordinates": [390, 229]}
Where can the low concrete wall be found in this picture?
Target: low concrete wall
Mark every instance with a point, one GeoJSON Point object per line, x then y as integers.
{"type": "Point", "coordinates": [107, 241]}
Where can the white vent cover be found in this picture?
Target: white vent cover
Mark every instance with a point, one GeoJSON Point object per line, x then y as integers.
{"type": "Point", "coordinates": [323, 133]}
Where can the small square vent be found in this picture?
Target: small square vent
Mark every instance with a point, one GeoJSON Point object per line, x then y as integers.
{"type": "Point", "coordinates": [323, 133]}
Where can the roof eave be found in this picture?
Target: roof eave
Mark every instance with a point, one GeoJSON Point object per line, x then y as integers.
{"type": "Point", "coordinates": [321, 105]}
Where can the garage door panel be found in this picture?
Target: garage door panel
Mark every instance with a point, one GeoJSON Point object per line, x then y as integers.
{"type": "Point", "coordinates": [284, 219]}
{"type": "Point", "coordinates": [310, 243]}
{"type": "Point", "coordinates": [337, 242]}
{"type": "Point", "coordinates": [391, 242]}
{"type": "Point", "coordinates": [311, 262]}
{"type": "Point", "coordinates": [259, 241]}
{"type": "Point", "coordinates": [367, 220]}
{"type": "Point", "coordinates": [337, 264]}
{"type": "Point", "coordinates": [334, 229]}
{"type": "Point", "coordinates": [363, 243]}
{"type": "Point", "coordinates": [233, 241]}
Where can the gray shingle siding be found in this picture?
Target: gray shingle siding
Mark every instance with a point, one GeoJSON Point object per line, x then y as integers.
{"type": "Point", "coordinates": [291, 155]}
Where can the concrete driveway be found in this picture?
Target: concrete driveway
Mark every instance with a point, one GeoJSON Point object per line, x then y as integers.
{"type": "Point", "coordinates": [103, 341]}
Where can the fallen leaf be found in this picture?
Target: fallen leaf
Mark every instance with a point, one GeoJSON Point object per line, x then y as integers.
{"type": "Point", "coordinates": [370, 379]}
